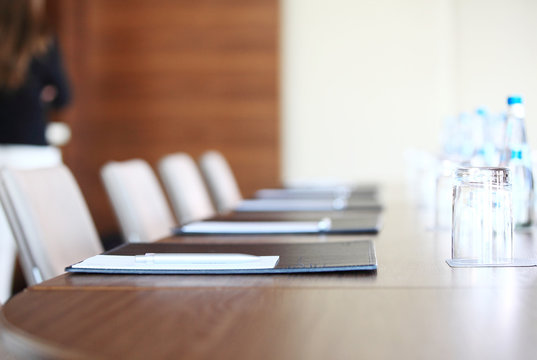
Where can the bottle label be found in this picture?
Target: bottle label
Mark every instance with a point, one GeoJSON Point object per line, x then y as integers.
{"type": "Point", "coordinates": [520, 155]}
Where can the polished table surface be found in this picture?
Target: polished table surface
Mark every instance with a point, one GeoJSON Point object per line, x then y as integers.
{"type": "Point", "coordinates": [413, 307]}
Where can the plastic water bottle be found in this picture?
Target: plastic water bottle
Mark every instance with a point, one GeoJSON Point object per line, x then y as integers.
{"type": "Point", "coordinates": [479, 119]}
{"type": "Point", "coordinates": [495, 138]}
{"type": "Point", "coordinates": [516, 156]}
{"type": "Point", "coordinates": [466, 134]}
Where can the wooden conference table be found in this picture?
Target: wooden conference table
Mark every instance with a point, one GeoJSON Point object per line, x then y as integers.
{"type": "Point", "coordinates": [413, 307]}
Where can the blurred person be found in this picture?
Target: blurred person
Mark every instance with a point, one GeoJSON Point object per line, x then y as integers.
{"type": "Point", "coordinates": [32, 82]}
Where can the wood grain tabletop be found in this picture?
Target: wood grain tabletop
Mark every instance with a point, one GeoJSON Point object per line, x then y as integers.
{"type": "Point", "coordinates": [413, 307]}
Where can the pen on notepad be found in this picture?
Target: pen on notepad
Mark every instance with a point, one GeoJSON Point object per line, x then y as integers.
{"type": "Point", "coordinates": [193, 258]}
{"type": "Point", "coordinates": [325, 224]}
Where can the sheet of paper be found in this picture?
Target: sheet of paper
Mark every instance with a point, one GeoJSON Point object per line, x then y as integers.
{"type": "Point", "coordinates": [251, 227]}
{"type": "Point", "coordinates": [289, 205]}
{"type": "Point", "coordinates": [301, 193]}
{"type": "Point", "coordinates": [126, 262]}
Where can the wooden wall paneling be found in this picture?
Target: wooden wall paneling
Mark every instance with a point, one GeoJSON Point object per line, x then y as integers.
{"type": "Point", "coordinates": [156, 77]}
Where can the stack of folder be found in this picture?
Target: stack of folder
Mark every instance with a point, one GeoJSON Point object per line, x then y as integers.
{"type": "Point", "coordinates": [274, 212]}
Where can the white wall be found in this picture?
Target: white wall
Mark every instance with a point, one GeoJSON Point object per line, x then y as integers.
{"type": "Point", "coordinates": [362, 81]}
{"type": "Point", "coordinates": [496, 54]}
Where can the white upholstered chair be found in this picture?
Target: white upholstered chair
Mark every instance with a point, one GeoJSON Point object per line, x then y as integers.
{"type": "Point", "coordinates": [138, 200]}
{"type": "Point", "coordinates": [8, 251]}
{"type": "Point", "coordinates": [49, 219]}
{"type": "Point", "coordinates": [220, 180]}
{"type": "Point", "coordinates": [19, 157]}
{"type": "Point", "coordinates": [185, 187]}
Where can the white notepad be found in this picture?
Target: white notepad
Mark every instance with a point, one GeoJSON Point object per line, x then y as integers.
{"type": "Point", "coordinates": [256, 227]}
{"type": "Point", "coordinates": [291, 205]}
{"type": "Point", "coordinates": [127, 262]}
{"type": "Point", "coordinates": [313, 193]}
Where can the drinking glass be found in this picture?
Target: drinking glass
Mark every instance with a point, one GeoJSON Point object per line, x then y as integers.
{"type": "Point", "coordinates": [482, 225]}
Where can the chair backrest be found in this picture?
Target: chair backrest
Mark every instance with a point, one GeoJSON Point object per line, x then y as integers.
{"type": "Point", "coordinates": [8, 251]}
{"type": "Point", "coordinates": [50, 220]}
{"type": "Point", "coordinates": [220, 180]}
{"type": "Point", "coordinates": [19, 157]}
{"type": "Point", "coordinates": [138, 200]}
{"type": "Point", "coordinates": [185, 187]}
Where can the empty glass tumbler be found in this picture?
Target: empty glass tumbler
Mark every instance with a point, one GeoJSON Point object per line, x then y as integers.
{"type": "Point", "coordinates": [482, 229]}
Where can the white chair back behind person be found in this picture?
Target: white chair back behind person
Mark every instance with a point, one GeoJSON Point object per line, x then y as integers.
{"type": "Point", "coordinates": [28, 157]}
{"type": "Point", "coordinates": [138, 200]}
{"type": "Point", "coordinates": [49, 219]}
{"type": "Point", "coordinates": [220, 180]}
{"type": "Point", "coordinates": [185, 187]}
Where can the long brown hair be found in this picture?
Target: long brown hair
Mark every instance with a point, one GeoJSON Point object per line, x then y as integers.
{"type": "Point", "coordinates": [23, 35]}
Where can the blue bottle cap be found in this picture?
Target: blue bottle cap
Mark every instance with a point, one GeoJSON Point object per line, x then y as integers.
{"type": "Point", "coordinates": [516, 99]}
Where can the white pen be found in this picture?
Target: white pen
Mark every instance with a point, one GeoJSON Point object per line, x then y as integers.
{"type": "Point", "coordinates": [325, 224]}
{"type": "Point", "coordinates": [195, 258]}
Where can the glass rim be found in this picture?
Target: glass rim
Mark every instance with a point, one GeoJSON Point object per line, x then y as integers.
{"type": "Point", "coordinates": [484, 174]}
